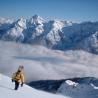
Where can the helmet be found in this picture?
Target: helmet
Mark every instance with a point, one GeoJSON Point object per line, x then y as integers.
{"type": "Point", "coordinates": [20, 67]}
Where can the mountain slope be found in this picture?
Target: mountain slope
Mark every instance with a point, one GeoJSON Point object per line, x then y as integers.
{"type": "Point", "coordinates": [54, 34]}
{"type": "Point", "coordinates": [6, 91]}
{"type": "Point", "coordinates": [69, 86]}
{"type": "Point", "coordinates": [80, 88]}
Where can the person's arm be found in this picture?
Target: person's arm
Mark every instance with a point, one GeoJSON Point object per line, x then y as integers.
{"type": "Point", "coordinates": [13, 76]}
{"type": "Point", "coordinates": [22, 79]}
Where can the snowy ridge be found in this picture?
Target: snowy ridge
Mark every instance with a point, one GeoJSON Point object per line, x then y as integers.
{"type": "Point", "coordinates": [36, 20]}
{"type": "Point", "coordinates": [80, 88]}
{"type": "Point", "coordinates": [69, 82]}
{"type": "Point", "coordinates": [73, 83]}
{"type": "Point", "coordinates": [54, 34]}
{"type": "Point", "coordinates": [95, 87]}
{"type": "Point", "coordinates": [7, 91]}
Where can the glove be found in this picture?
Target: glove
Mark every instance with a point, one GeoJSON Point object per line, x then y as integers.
{"type": "Point", "coordinates": [22, 84]}
{"type": "Point", "coordinates": [12, 80]}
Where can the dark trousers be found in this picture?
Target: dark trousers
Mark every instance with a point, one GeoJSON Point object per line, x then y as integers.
{"type": "Point", "coordinates": [16, 85]}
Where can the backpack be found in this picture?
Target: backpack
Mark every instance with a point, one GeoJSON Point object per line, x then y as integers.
{"type": "Point", "coordinates": [17, 76]}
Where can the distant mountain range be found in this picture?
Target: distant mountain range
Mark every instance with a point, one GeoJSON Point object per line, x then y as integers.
{"type": "Point", "coordinates": [54, 34]}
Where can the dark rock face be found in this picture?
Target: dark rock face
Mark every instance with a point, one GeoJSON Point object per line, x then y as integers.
{"type": "Point", "coordinates": [47, 85]}
{"type": "Point", "coordinates": [53, 85]}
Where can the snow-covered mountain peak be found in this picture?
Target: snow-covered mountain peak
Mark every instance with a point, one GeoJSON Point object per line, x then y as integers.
{"type": "Point", "coordinates": [58, 24]}
{"type": "Point", "coordinates": [15, 32]}
{"type": "Point", "coordinates": [36, 20]}
{"type": "Point", "coordinates": [21, 23]}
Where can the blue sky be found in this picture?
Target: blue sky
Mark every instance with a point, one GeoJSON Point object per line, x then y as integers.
{"type": "Point", "coordinates": [75, 10]}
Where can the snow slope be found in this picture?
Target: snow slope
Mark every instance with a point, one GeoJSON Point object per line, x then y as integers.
{"type": "Point", "coordinates": [6, 91]}
{"type": "Point", "coordinates": [41, 63]}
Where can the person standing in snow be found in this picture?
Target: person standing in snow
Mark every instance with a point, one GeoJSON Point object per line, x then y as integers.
{"type": "Point", "coordinates": [18, 77]}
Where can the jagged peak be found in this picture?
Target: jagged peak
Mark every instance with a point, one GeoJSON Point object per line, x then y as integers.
{"type": "Point", "coordinates": [21, 23]}
{"type": "Point", "coordinates": [37, 20]}
{"type": "Point", "coordinates": [60, 23]}
{"type": "Point", "coordinates": [36, 16]}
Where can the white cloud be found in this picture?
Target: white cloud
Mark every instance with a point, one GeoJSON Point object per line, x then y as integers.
{"type": "Point", "coordinates": [41, 63]}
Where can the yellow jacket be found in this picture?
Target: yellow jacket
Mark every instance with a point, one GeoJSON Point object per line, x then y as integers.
{"type": "Point", "coordinates": [18, 76]}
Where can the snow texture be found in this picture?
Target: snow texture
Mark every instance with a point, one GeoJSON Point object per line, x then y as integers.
{"type": "Point", "coordinates": [79, 89]}
{"type": "Point", "coordinates": [7, 91]}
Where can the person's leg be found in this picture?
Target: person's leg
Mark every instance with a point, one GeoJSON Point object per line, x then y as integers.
{"type": "Point", "coordinates": [16, 85]}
